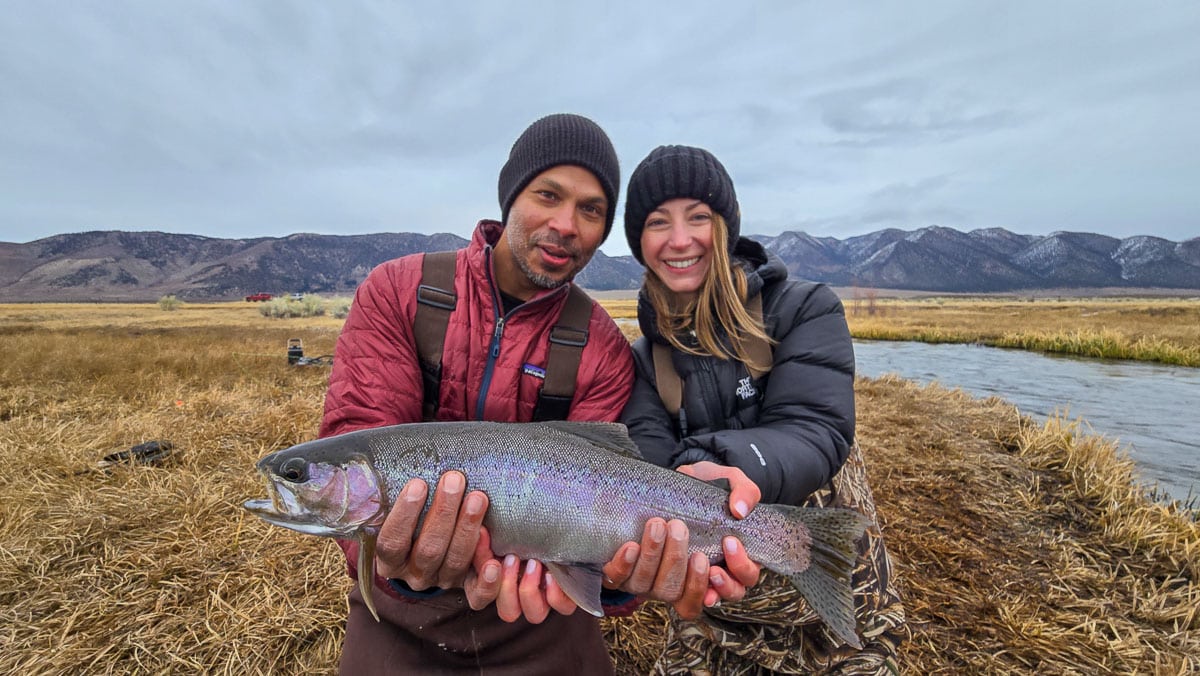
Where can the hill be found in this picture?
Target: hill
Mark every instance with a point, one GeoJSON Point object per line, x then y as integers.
{"type": "Point", "coordinates": [141, 266]}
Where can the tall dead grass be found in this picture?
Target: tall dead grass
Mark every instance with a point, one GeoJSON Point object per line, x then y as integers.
{"type": "Point", "coordinates": [1165, 330]}
{"type": "Point", "coordinates": [1022, 548]}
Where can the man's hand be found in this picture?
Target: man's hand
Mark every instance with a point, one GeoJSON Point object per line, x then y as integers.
{"type": "Point", "coordinates": [441, 554]}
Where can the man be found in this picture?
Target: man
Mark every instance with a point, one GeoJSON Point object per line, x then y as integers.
{"type": "Point", "coordinates": [445, 602]}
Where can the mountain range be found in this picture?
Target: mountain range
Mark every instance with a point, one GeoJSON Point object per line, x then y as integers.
{"type": "Point", "coordinates": [143, 266]}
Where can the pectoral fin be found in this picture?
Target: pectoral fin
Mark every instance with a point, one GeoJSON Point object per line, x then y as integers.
{"type": "Point", "coordinates": [580, 583]}
{"type": "Point", "coordinates": [366, 571]}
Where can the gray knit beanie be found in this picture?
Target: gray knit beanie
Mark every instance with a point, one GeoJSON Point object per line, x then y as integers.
{"type": "Point", "coordinates": [678, 171]}
{"type": "Point", "coordinates": [561, 139]}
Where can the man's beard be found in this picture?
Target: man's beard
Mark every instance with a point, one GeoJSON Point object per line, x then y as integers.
{"type": "Point", "coordinates": [521, 246]}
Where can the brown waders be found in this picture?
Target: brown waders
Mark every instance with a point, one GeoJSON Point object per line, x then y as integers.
{"type": "Point", "coordinates": [442, 635]}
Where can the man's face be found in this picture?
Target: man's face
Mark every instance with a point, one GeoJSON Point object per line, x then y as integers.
{"type": "Point", "coordinates": [554, 227]}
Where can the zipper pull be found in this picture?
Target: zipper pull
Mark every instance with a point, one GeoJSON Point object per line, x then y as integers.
{"type": "Point", "coordinates": [496, 337]}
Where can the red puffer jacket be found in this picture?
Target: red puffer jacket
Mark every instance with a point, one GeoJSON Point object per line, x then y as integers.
{"type": "Point", "coordinates": [376, 377]}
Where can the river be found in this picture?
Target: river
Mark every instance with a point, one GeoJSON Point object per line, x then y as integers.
{"type": "Point", "coordinates": [1150, 409]}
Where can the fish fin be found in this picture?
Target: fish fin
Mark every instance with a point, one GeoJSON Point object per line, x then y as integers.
{"type": "Point", "coordinates": [366, 571]}
{"type": "Point", "coordinates": [826, 584]}
{"type": "Point", "coordinates": [722, 483]}
{"type": "Point", "coordinates": [611, 436]}
{"type": "Point", "coordinates": [580, 583]}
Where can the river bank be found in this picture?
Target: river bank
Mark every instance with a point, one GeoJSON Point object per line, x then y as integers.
{"type": "Point", "coordinates": [1021, 548]}
{"type": "Point", "coordinates": [1145, 407]}
{"type": "Point", "coordinates": [1163, 330]}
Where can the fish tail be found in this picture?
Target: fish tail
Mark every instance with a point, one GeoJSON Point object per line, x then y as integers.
{"type": "Point", "coordinates": [826, 582]}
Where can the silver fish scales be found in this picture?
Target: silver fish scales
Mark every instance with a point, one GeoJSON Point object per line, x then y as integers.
{"type": "Point", "coordinates": [564, 493]}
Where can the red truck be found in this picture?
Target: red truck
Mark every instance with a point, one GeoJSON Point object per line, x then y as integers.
{"type": "Point", "coordinates": [254, 297]}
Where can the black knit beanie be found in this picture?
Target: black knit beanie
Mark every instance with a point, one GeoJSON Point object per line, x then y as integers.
{"type": "Point", "coordinates": [678, 171]}
{"type": "Point", "coordinates": [561, 139]}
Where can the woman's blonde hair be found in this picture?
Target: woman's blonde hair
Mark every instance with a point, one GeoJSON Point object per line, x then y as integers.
{"type": "Point", "coordinates": [720, 303]}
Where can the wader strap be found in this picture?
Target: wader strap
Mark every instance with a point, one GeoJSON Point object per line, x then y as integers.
{"type": "Point", "coordinates": [435, 301]}
{"type": "Point", "coordinates": [758, 349]}
{"type": "Point", "coordinates": [567, 340]}
{"type": "Point", "coordinates": [670, 385]}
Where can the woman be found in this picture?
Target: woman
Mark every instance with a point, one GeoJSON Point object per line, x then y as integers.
{"type": "Point", "coordinates": [766, 394]}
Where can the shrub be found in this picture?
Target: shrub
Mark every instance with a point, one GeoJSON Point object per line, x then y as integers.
{"type": "Point", "coordinates": [169, 303]}
{"type": "Point", "coordinates": [277, 308]}
{"type": "Point", "coordinates": [311, 306]}
{"type": "Point", "coordinates": [339, 307]}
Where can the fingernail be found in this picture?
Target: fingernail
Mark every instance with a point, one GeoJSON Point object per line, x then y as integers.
{"type": "Point", "coordinates": [531, 567]}
{"type": "Point", "coordinates": [631, 555]}
{"type": "Point", "coordinates": [731, 546]}
{"type": "Point", "coordinates": [474, 504]}
{"type": "Point", "coordinates": [699, 564]}
{"type": "Point", "coordinates": [510, 561]}
{"type": "Point", "coordinates": [413, 493]}
{"type": "Point", "coordinates": [716, 580]}
{"type": "Point", "coordinates": [741, 509]}
{"type": "Point", "coordinates": [678, 530]}
{"type": "Point", "coordinates": [453, 483]}
{"type": "Point", "coordinates": [546, 582]}
{"type": "Point", "coordinates": [491, 573]}
{"type": "Point", "coordinates": [657, 532]}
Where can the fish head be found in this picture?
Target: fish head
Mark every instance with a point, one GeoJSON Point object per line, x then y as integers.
{"type": "Point", "coordinates": [314, 492]}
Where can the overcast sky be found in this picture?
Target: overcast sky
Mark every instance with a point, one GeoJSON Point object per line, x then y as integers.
{"type": "Point", "coordinates": [241, 119]}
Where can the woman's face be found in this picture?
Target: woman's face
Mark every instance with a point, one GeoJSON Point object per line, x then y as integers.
{"type": "Point", "coordinates": [677, 243]}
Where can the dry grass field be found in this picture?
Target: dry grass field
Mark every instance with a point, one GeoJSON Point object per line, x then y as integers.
{"type": "Point", "coordinates": [1160, 329]}
{"type": "Point", "coordinates": [1022, 548]}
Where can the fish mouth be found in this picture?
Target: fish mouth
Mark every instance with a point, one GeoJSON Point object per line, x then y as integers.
{"type": "Point", "coordinates": [266, 510]}
{"type": "Point", "coordinates": [322, 504]}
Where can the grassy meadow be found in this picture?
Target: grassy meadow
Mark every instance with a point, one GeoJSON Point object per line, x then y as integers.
{"type": "Point", "coordinates": [1165, 330]}
{"type": "Point", "coordinates": [1022, 548]}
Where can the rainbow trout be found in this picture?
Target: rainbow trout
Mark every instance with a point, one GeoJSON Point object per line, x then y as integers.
{"type": "Point", "coordinates": [564, 493]}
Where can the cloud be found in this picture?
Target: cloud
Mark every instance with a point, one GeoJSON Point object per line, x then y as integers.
{"type": "Point", "coordinates": [236, 119]}
{"type": "Point", "coordinates": [908, 111]}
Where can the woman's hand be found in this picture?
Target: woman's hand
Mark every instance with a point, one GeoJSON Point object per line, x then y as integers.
{"type": "Point", "coordinates": [660, 568]}
{"type": "Point", "coordinates": [730, 583]}
{"type": "Point", "coordinates": [531, 595]}
{"type": "Point", "coordinates": [744, 494]}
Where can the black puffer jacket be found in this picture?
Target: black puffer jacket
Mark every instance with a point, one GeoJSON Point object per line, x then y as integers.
{"type": "Point", "coordinates": [789, 431]}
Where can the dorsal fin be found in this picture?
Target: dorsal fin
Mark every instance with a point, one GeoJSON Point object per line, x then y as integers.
{"type": "Point", "coordinates": [611, 436]}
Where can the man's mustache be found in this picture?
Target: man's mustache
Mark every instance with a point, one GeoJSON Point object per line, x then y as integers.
{"type": "Point", "coordinates": [555, 240]}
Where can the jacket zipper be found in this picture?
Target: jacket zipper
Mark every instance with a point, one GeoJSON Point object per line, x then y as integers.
{"type": "Point", "coordinates": [493, 353]}
{"type": "Point", "coordinates": [494, 347]}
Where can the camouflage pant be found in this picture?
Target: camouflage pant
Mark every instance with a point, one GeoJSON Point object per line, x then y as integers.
{"type": "Point", "coordinates": [773, 630]}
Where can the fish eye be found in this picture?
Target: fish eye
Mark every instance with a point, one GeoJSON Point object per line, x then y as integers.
{"type": "Point", "coordinates": [294, 470]}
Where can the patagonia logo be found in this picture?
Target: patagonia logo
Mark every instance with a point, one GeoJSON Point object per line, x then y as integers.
{"type": "Point", "coordinates": [745, 390]}
{"type": "Point", "coordinates": [535, 371]}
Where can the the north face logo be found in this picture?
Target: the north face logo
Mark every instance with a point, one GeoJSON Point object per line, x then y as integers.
{"type": "Point", "coordinates": [745, 390]}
